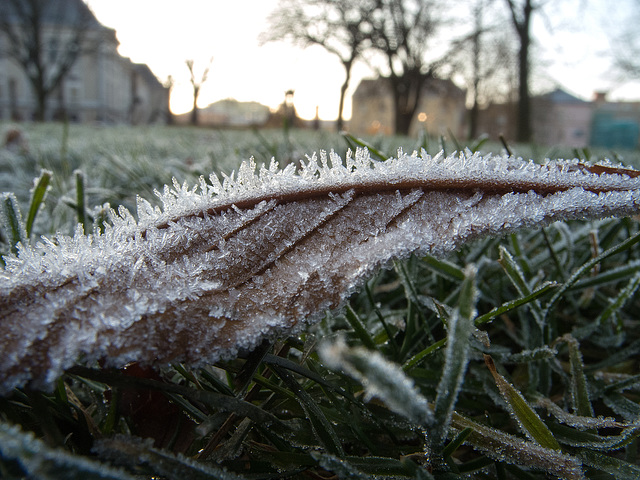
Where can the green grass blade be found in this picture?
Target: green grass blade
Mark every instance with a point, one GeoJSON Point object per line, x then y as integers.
{"type": "Point", "coordinates": [480, 141]}
{"type": "Point", "coordinates": [340, 467]}
{"type": "Point", "coordinates": [529, 421]}
{"type": "Point", "coordinates": [579, 387]}
{"type": "Point", "coordinates": [454, 140]}
{"type": "Point", "coordinates": [608, 276]}
{"type": "Point", "coordinates": [513, 304]}
{"type": "Point", "coordinates": [37, 198]}
{"type": "Point", "coordinates": [444, 267]}
{"type": "Point", "coordinates": [215, 400]}
{"type": "Point", "coordinates": [453, 445]}
{"type": "Point", "coordinates": [621, 299]}
{"type": "Point", "coordinates": [420, 356]}
{"type": "Point", "coordinates": [321, 426]}
{"type": "Point", "coordinates": [415, 360]}
{"type": "Point", "coordinates": [510, 449]}
{"type": "Point", "coordinates": [11, 221]}
{"type": "Point", "coordinates": [359, 329]}
{"type": "Point", "coordinates": [456, 357]}
{"type": "Point", "coordinates": [619, 469]}
{"type": "Point", "coordinates": [513, 271]}
{"type": "Point", "coordinates": [578, 438]}
{"type": "Point", "coordinates": [355, 143]}
{"type": "Point", "coordinates": [586, 268]}
{"type": "Point", "coordinates": [81, 210]}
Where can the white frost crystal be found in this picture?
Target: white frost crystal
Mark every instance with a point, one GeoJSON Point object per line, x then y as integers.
{"type": "Point", "coordinates": [226, 263]}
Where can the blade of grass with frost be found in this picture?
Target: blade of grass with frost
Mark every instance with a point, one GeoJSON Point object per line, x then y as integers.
{"type": "Point", "coordinates": [480, 320]}
{"type": "Point", "coordinates": [622, 298]}
{"type": "Point", "coordinates": [255, 255]}
{"type": "Point", "coordinates": [618, 469]}
{"type": "Point", "coordinates": [81, 210]}
{"type": "Point", "coordinates": [586, 267]}
{"type": "Point", "coordinates": [381, 379]}
{"type": "Point", "coordinates": [135, 452]}
{"type": "Point", "coordinates": [11, 221]}
{"type": "Point", "coordinates": [575, 437]}
{"type": "Point", "coordinates": [577, 421]}
{"type": "Point", "coordinates": [513, 304]}
{"type": "Point", "coordinates": [579, 385]}
{"type": "Point", "coordinates": [527, 419]}
{"type": "Point", "coordinates": [41, 461]}
{"type": "Point", "coordinates": [456, 357]}
{"type": "Point", "coordinates": [341, 468]}
{"type": "Point", "coordinates": [516, 276]}
{"type": "Point", "coordinates": [322, 428]}
{"type": "Point", "coordinates": [510, 449]}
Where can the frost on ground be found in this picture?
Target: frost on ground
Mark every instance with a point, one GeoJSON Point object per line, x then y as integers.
{"type": "Point", "coordinates": [227, 263]}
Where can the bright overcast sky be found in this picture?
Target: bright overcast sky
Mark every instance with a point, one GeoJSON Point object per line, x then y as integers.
{"type": "Point", "coordinates": [164, 33]}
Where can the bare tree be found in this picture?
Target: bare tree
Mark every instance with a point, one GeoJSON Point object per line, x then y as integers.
{"type": "Point", "coordinates": [402, 32]}
{"type": "Point", "coordinates": [341, 27]}
{"type": "Point", "coordinates": [625, 45]}
{"type": "Point", "coordinates": [197, 85]}
{"type": "Point", "coordinates": [169, 84]}
{"type": "Point", "coordinates": [521, 14]}
{"type": "Point", "coordinates": [484, 57]}
{"type": "Point", "coordinates": [45, 38]}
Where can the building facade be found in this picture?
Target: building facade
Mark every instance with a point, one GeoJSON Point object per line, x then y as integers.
{"type": "Point", "coordinates": [441, 109]}
{"type": "Point", "coordinates": [559, 118]}
{"type": "Point", "coordinates": [230, 113]}
{"type": "Point", "coordinates": [101, 86]}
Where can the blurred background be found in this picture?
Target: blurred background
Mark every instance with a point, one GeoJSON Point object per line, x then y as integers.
{"type": "Point", "coordinates": [563, 72]}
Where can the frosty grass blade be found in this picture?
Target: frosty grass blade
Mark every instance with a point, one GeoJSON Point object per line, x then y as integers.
{"type": "Point", "coordinates": [225, 264]}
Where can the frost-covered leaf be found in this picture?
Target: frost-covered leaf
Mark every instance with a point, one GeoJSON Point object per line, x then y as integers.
{"type": "Point", "coordinates": [225, 264]}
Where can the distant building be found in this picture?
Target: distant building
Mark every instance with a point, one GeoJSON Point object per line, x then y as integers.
{"type": "Point", "coordinates": [231, 113]}
{"type": "Point", "coordinates": [102, 86]}
{"type": "Point", "coordinates": [441, 109]}
{"type": "Point", "coordinates": [559, 118]}
{"type": "Point", "coordinates": [615, 124]}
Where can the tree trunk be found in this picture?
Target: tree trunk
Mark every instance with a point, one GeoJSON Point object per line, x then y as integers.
{"type": "Point", "coordinates": [407, 92]}
{"type": "Point", "coordinates": [41, 104]}
{"type": "Point", "coordinates": [522, 26]}
{"type": "Point", "coordinates": [194, 111]}
{"type": "Point", "coordinates": [343, 92]}
{"type": "Point", "coordinates": [524, 102]}
{"type": "Point", "coordinates": [473, 119]}
{"type": "Point", "coordinates": [477, 49]}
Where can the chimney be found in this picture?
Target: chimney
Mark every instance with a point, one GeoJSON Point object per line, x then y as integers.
{"type": "Point", "coordinates": [600, 97]}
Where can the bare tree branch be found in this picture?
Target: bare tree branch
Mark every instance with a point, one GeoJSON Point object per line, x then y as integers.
{"type": "Point", "coordinates": [341, 27]}
{"type": "Point", "coordinates": [197, 85]}
{"type": "Point", "coordinates": [46, 38]}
